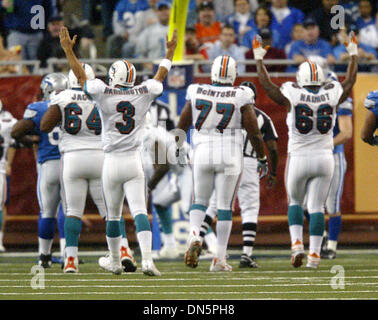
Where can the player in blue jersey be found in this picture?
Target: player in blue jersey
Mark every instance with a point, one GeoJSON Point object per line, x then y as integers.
{"type": "Point", "coordinates": [371, 121]}
{"type": "Point", "coordinates": [48, 167]}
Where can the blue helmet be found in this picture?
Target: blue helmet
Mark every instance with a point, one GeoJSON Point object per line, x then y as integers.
{"type": "Point", "coordinates": [53, 82]}
{"type": "Point", "coordinates": [371, 100]}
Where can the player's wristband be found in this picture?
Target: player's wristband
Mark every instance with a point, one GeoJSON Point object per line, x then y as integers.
{"type": "Point", "coordinates": [166, 63]}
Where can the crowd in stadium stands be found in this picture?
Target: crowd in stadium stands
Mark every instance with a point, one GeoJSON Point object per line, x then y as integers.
{"type": "Point", "coordinates": [295, 30]}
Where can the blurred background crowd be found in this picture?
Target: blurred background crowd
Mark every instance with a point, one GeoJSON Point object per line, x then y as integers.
{"type": "Point", "coordinates": [294, 29]}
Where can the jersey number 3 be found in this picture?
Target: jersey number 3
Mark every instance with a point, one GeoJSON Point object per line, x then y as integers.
{"type": "Point", "coordinates": [128, 112]}
{"type": "Point", "coordinates": [304, 122]}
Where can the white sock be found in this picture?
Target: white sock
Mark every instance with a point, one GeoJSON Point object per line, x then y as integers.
{"type": "Point", "coordinates": [223, 234]}
{"type": "Point", "coordinates": [145, 244]}
{"type": "Point", "coordinates": [169, 240]}
{"type": "Point", "coordinates": [211, 240]}
{"type": "Point", "coordinates": [114, 245]}
{"type": "Point", "coordinates": [332, 245]}
{"type": "Point", "coordinates": [62, 244]}
{"type": "Point", "coordinates": [44, 245]}
{"type": "Point", "coordinates": [247, 250]}
{"type": "Point", "coordinates": [196, 218]}
{"type": "Point", "coordinates": [315, 244]}
{"type": "Point", "coordinates": [296, 233]}
{"type": "Point", "coordinates": [71, 252]}
{"type": "Point", "coordinates": [124, 243]}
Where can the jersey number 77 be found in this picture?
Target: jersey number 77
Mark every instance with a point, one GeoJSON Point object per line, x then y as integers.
{"type": "Point", "coordinates": [205, 106]}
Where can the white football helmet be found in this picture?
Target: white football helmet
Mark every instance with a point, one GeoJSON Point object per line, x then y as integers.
{"type": "Point", "coordinates": [73, 80]}
{"type": "Point", "coordinates": [223, 70]}
{"type": "Point", "coordinates": [310, 74]}
{"type": "Point", "coordinates": [123, 73]}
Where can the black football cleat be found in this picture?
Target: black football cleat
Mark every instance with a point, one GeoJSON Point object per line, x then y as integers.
{"type": "Point", "coordinates": [328, 254]}
{"type": "Point", "coordinates": [45, 261]}
{"type": "Point", "coordinates": [247, 262]}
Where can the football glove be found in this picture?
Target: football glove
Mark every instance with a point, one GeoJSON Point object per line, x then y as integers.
{"type": "Point", "coordinates": [258, 50]}
{"type": "Point", "coordinates": [262, 167]}
{"type": "Point", "coordinates": [352, 46]}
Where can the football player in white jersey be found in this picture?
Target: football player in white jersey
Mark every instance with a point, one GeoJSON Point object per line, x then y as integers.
{"type": "Point", "coordinates": [81, 161]}
{"type": "Point", "coordinates": [122, 108]}
{"type": "Point", "coordinates": [311, 113]}
{"type": "Point", "coordinates": [218, 113]}
{"type": "Point", "coordinates": [7, 153]}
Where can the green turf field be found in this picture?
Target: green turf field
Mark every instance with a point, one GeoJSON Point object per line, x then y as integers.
{"type": "Point", "coordinates": [275, 279]}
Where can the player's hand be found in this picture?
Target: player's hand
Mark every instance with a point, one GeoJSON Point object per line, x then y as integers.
{"type": "Point", "coordinates": [272, 181]}
{"type": "Point", "coordinates": [171, 44]}
{"type": "Point", "coordinates": [65, 41]}
{"type": "Point", "coordinates": [352, 46]}
{"type": "Point", "coordinates": [258, 50]}
{"type": "Point", "coordinates": [262, 167]}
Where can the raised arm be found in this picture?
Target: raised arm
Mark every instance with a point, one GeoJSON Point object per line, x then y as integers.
{"type": "Point", "coordinates": [351, 75]}
{"type": "Point", "coordinates": [346, 130]}
{"type": "Point", "coordinates": [51, 118]}
{"type": "Point", "coordinates": [165, 65]}
{"type": "Point", "coordinates": [272, 90]}
{"type": "Point", "coordinates": [67, 44]}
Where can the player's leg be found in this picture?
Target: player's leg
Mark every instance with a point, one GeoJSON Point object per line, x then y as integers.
{"type": "Point", "coordinates": [203, 182]}
{"type": "Point", "coordinates": [60, 225]}
{"type": "Point", "coordinates": [113, 178]}
{"type": "Point", "coordinates": [163, 196]}
{"type": "Point", "coordinates": [75, 187]}
{"type": "Point", "coordinates": [48, 192]}
{"type": "Point", "coordinates": [296, 177]}
{"type": "Point", "coordinates": [249, 202]}
{"type": "Point", "coordinates": [317, 190]}
{"type": "Point", "coordinates": [333, 205]}
{"type": "Point", "coordinates": [135, 190]}
{"type": "Point", "coordinates": [206, 232]}
{"type": "Point", "coordinates": [227, 179]}
{"type": "Point", "coordinates": [3, 195]}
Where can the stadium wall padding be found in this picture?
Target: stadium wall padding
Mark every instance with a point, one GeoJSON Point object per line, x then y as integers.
{"type": "Point", "coordinates": [16, 93]}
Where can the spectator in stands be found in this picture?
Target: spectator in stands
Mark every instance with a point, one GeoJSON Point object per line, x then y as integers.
{"type": "Point", "coordinates": [296, 34]}
{"type": "Point", "coordinates": [323, 17]}
{"type": "Point", "coordinates": [50, 46]}
{"type": "Point", "coordinates": [366, 14]}
{"type": "Point", "coordinates": [305, 6]}
{"type": "Point", "coordinates": [284, 19]}
{"type": "Point", "coordinates": [18, 22]}
{"type": "Point", "coordinates": [365, 52]}
{"type": "Point", "coordinates": [129, 20]}
{"type": "Point", "coordinates": [262, 19]}
{"type": "Point", "coordinates": [369, 34]}
{"type": "Point", "coordinates": [193, 50]}
{"type": "Point", "coordinates": [226, 46]}
{"type": "Point", "coordinates": [312, 45]}
{"type": "Point", "coordinates": [107, 9]}
{"type": "Point", "coordinates": [351, 9]}
{"type": "Point", "coordinates": [273, 53]}
{"type": "Point", "coordinates": [241, 20]}
{"type": "Point", "coordinates": [207, 28]}
{"type": "Point", "coordinates": [151, 42]}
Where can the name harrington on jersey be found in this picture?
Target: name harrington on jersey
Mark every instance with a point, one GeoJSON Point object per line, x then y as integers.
{"type": "Point", "coordinates": [213, 93]}
{"type": "Point", "coordinates": [132, 91]}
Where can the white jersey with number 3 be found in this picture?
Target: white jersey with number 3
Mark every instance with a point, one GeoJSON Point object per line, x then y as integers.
{"type": "Point", "coordinates": [216, 111]}
{"type": "Point", "coordinates": [123, 112]}
{"type": "Point", "coordinates": [81, 123]}
{"type": "Point", "coordinates": [312, 116]}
